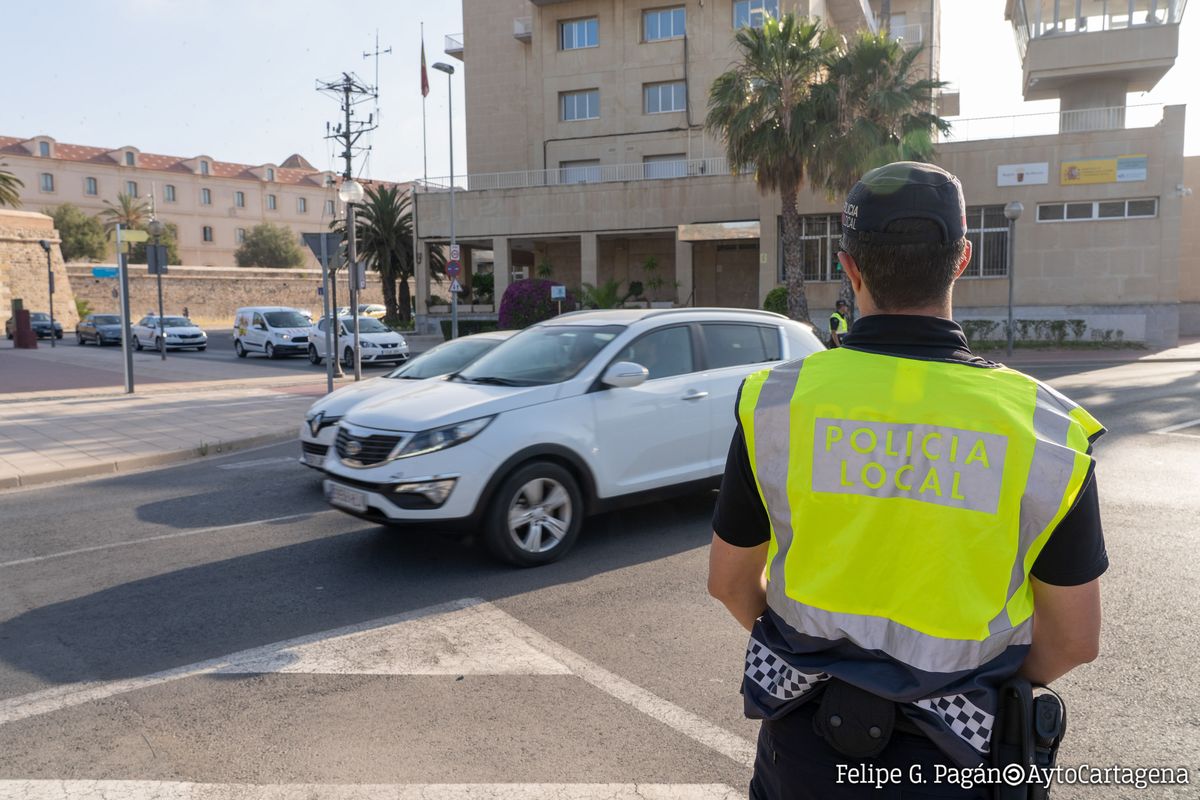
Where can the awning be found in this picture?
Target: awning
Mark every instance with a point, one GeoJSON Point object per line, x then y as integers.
{"type": "Point", "coordinates": [718, 231]}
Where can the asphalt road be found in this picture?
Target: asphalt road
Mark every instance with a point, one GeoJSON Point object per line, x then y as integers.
{"type": "Point", "coordinates": [141, 616]}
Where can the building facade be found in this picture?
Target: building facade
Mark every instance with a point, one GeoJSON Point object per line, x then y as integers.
{"type": "Point", "coordinates": [213, 203]}
{"type": "Point", "coordinates": [588, 161]}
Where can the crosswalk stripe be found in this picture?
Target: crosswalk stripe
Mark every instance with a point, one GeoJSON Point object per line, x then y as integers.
{"type": "Point", "coordinates": [168, 790]}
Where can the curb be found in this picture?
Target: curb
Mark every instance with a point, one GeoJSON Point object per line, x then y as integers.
{"type": "Point", "coordinates": [135, 463]}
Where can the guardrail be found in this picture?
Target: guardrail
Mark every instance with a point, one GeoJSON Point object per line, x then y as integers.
{"type": "Point", "coordinates": [970, 129]}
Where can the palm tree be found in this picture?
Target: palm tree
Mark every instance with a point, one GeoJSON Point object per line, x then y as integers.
{"type": "Point", "coordinates": [10, 188]}
{"type": "Point", "coordinates": [128, 212]}
{"type": "Point", "coordinates": [873, 108]}
{"type": "Point", "coordinates": [762, 109]}
{"type": "Point", "coordinates": [385, 242]}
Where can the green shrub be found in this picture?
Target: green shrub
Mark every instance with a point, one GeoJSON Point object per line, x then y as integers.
{"type": "Point", "coordinates": [468, 326]}
{"type": "Point", "coordinates": [776, 300]}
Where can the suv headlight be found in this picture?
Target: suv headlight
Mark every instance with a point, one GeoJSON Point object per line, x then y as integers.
{"type": "Point", "coordinates": [431, 441]}
{"type": "Point", "coordinates": [285, 337]}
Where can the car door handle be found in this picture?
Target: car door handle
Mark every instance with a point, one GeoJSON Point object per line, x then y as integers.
{"type": "Point", "coordinates": [694, 395]}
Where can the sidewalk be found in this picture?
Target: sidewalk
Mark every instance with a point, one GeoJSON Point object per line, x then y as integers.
{"type": "Point", "coordinates": [1188, 350]}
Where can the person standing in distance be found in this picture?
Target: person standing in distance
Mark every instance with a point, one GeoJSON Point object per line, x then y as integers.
{"type": "Point", "coordinates": [902, 525]}
{"type": "Point", "coordinates": [839, 323]}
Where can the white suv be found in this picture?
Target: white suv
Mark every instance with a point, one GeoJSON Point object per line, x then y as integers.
{"type": "Point", "coordinates": [572, 416]}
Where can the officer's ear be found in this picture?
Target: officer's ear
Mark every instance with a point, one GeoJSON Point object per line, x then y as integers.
{"type": "Point", "coordinates": [850, 267]}
{"type": "Point", "coordinates": [966, 260]}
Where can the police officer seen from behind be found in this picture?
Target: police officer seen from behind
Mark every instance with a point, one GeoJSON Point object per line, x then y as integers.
{"type": "Point", "coordinates": [839, 323]}
{"type": "Point", "coordinates": [902, 525]}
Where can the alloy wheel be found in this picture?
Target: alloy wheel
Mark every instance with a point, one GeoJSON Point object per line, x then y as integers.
{"type": "Point", "coordinates": [539, 515]}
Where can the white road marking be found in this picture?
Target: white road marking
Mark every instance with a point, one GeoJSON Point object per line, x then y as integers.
{"type": "Point", "coordinates": [169, 790]}
{"type": "Point", "coordinates": [159, 538]}
{"type": "Point", "coordinates": [258, 462]}
{"type": "Point", "coordinates": [1179, 427]}
{"type": "Point", "coordinates": [464, 633]}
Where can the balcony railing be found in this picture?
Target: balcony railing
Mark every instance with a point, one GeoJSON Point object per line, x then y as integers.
{"type": "Point", "coordinates": [910, 35]}
{"type": "Point", "coordinates": [1034, 20]}
{"type": "Point", "coordinates": [454, 45]}
{"type": "Point", "coordinates": [582, 174]}
{"type": "Point", "coordinates": [970, 129]}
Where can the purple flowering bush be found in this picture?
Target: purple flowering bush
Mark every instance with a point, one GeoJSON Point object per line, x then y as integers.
{"type": "Point", "coordinates": [528, 302]}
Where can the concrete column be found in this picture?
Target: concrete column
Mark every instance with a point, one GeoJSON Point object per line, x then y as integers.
{"type": "Point", "coordinates": [501, 266]}
{"type": "Point", "coordinates": [683, 273]}
{"type": "Point", "coordinates": [421, 276]}
{"type": "Point", "coordinates": [588, 259]}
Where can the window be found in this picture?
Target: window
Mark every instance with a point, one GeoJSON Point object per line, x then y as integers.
{"type": "Point", "coordinates": [1142, 208]}
{"type": "Point", "coordinates": [239, 199]}
{"type": "Point", "coordinates": [330, 209]}
{"type": "Point", "coordinates": [271, 174]}
{"type": "Point", "coordinates": [659, 98]}
{"type": "Point", "coordinates": [660, 24]}
{"type": "Point", "coordinates": [987, 230]}
{"type": "Point", "coordinates": [664, 353]}
{"type": "Point", "coordinates": [206, 197]}
{"type": "Point", "coordinates": [131, 188]}
{"type": "Point", "coordinates": [44, 149]}
{"type": "Point", "coordinates": [669, 166]}
{"type": "Point", "coordinates": [750, 13]}
{"type": "Point", "coordinates": [271, 202]}
{"type": "Point", "coordinates": [579, 171]}
{"type": "Point", "coordinates": [203, 167]}
{"type": "Point", "coordinates": [328, 181]}
{"type": "Point", "coordinates": [130, 159]}
{"type": "Point", "coordinates": [47, 182]}
{"type": "Point", "coordinates": [302, 205]}
{"type": "Point", "coordinates": [240, 235]}
{"type": "Point", "coordinates": [820, 240]}
{"type": "Point", "coordinates": [90, 187]}
{"type": "Point", "coordinates": [206, 233]}
{"type": "Point", "coordinates": [733, 345]}
{"type": "Point", "coordinates": [578, 33]}
{"type": "Point", "coordinates": [581, 105]}
{"type": "Point", "coordinates": [169, 193]}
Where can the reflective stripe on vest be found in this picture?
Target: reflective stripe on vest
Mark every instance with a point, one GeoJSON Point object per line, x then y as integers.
{"type": "Point", "coordinates": [843, 325]}
{"type": "Point", "coordinates": [907, 513]}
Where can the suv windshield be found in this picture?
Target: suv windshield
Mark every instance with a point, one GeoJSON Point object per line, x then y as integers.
{"type": "Point", "coordinates": [176, 322]}
{"type": "Point", "coordinates": [286, 319]}
{"type": "Point", "coordinates": [541, 355]}
{"type": "Point", "coordinates": [444, 359]}
{"type": "Point", "coordinates": [106, 320]}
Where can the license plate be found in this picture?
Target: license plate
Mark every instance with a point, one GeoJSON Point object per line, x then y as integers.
{"type": "Point", "coordinates": [313, 459]}
{"type": "Point", "coordinates": [347, 498]}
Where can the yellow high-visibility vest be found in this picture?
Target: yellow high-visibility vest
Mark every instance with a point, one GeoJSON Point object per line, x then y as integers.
{"type": "Point", "coordinates": [908, 508]}
{"type": "Point", "coordinates": [843, 325]}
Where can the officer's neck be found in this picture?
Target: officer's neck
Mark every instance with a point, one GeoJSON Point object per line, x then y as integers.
{"type": "Point", "coordinates": [867, 308]}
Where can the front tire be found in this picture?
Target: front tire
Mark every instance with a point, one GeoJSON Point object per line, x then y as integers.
{"type": "Point", "coordinates": [79, 338]}
{"type": "Point", "coordinates": [313, 358]}
{"type": "Point", "coordinates": [269, 350]}
{"type": "Point", "coordinates": [137, 342]}
{"type": "Point", "coordinates": [348, 358]}
{"type": "Point", "coordinates": [535, 516]}
{"type": "Point", "coordinates": [237, 348]}
{"type": "Point", "coordinates": [201, 348]}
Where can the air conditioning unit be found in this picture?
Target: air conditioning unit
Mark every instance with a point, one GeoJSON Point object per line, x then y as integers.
{"type": "Point", "coordinates": [523, 29]}
{"type": "Point", "coordinates": [520, 274]}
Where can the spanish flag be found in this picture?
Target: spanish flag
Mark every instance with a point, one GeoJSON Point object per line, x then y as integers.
{"type": "Point", "coordinates": [424, 73]}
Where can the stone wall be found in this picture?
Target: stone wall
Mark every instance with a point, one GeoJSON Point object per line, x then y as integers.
{"type": "Point", "coordinates": [23, 267]}
{"type": "Point", "coordinates": [212, 294]}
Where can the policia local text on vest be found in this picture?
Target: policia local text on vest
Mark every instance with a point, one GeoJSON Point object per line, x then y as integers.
{"type": "Point", "coordinates": [893, 515]}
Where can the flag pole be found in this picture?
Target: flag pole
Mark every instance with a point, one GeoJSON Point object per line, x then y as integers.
{"type": "Point", "coordinates": [424, 144]}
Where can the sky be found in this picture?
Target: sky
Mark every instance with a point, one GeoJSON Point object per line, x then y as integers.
{"type": "Point", "coordinates": [236, 79]}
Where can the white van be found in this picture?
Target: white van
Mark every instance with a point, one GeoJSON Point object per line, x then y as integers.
{"type": "Point", "coordinates": [273, 331]}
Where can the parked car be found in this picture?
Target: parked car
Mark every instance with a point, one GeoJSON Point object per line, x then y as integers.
{"type": "Point", "coordinates": [40, 322]}
{"type": "Point", "coordinates": [379, 343]}
{"type": "Point", "coordinates": [179, 333]}
{"type": "Point", "coordinates": [99, 328]}
{"type": "Point", "coordinates": [372, 310]}
{"type": "Point", "coordinates": [320, 422]}
{"type": "Point", "coordinates": [273, 331]}
{"type": "Point", "coordinates": [572, 416]}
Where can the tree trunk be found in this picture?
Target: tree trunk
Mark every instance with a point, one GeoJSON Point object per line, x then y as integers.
{"type": "Point", "coordinates": [405, 301]}
{"type": "Point", "coordinates": [793, 262]}
{"type": "Point", "coordinates": [387, 282]}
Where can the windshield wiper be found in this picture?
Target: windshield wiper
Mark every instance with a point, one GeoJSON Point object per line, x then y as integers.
{"type": "Point", "coordinates": [495, 381]}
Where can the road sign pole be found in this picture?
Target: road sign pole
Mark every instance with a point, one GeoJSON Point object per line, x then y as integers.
{"type": "Point", "coordinates": [159, 263]}
{"type": "Point", "coordinates": [330, 320]}
{"type": "Point", "coordinates": [126, 344]}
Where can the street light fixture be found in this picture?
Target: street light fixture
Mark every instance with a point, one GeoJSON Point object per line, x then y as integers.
{"type": "Point", "coordinates": [1012, 212]}
{"type": "Point", "coordinates": [45, 243]}
{"type": "Point", "coordinates": [155, 228]}
{"type": "Point", "coordinates": [449, 70]}
{"type": "Point", "coordinates": [350, 193]}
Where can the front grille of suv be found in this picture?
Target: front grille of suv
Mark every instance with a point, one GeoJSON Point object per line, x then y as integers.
{"type": "Point", "coordinates": [314, 448]}
{"type": "Point", "coordinates": [370, 450]}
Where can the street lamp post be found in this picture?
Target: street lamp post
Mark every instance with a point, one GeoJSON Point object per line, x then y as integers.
{"type": "Point", "coordinates": [351, 192]}
{"type": "Point", "coordinates": [155, 229]}
{"type": "Point", "coordinates": [45, 243]}
{"type": "Point", "coordinates": [449, 70]}
{"type": "Point", "coordinates": [1012, 212]}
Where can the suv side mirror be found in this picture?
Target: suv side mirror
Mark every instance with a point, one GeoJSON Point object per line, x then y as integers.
{"type": "Point", "coordinates": [625, 375]}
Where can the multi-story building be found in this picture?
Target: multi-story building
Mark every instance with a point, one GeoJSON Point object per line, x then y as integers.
{"type": "Point", "coordinates": [213, 203]}
{"type": "Point", "coordinates": [587, 155]}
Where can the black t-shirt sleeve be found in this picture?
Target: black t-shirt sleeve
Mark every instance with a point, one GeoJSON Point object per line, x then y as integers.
{"type": "Point", "coordinates": [740, 518]}
{"type": "Point", "coordinates": [1075, 554]}
{"type": "Point", "coordinates": [833, 323]}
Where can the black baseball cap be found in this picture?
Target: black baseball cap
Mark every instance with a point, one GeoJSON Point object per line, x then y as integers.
{"type": "Point", "coordinates": [905, 190]}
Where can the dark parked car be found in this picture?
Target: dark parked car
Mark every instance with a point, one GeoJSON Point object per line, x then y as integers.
{"type": "Point", "coordinates": [99, 328]}
{"type": "Point", "coordinates": [39, 321]}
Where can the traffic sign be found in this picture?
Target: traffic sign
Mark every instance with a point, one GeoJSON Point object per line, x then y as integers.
{"type": "Point", "coordinates": [455, 253]}
{"type": "Point", "coordinates": [558, 292]}
{"type": "Point", "coordinates": [455, 286]}
{"type": "Point", "coordinates": [314, 240]}
{"type": "Point", "coordinates": [453, 268]}
{"type": "Point", "coordinates": [134, 236]}
{"type": "Point", "coordinates": [105, 272]}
